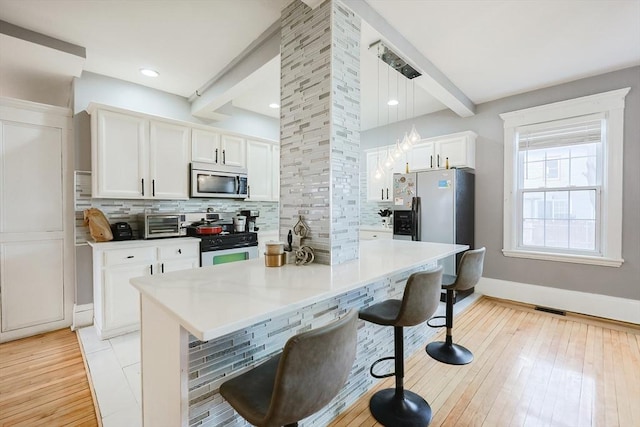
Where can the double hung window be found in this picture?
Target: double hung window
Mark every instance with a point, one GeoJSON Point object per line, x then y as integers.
{"type": "Point", "coordinates": [563, 180]}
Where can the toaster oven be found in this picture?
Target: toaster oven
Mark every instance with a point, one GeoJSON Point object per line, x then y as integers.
{"type": "Point", "coordinates": [157, 225]}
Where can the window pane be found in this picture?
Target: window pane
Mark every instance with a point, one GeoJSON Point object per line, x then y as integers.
{"type": "Point", "coordinates": [557, 233]}
{"type": "Point", "coordinates": [582, 235]}
{"type": "Point", "coordinates": [533, 205]}
{"type": "Point", "coordinates": [534, 174]}
{"type": "Point", "coordinates": [583, 204]}
{"type": "Point", "coordinates": [583, 171]}
{"type": "Point", "coordinates": [533, 232]}
{"type": "Point", "coordinates": [557, 205]}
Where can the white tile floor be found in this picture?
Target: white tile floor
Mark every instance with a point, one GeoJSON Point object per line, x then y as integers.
{"type": "Point", "coordinates": [114, 366]}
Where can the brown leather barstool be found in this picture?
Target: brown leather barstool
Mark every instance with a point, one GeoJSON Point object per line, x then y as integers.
{"type": "Point", "coordinates": [400, 407]}
{"type": "Point", "coordinates": [469, 273]}
{"type": "Point", "coordinates": [298, 382]}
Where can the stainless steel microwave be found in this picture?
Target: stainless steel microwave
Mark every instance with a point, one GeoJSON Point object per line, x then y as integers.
{"type": "Point", "coordinates": [211, 180]}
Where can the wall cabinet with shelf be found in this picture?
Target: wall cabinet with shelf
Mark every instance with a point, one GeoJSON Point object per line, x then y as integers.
{"type": "Point", "coordinates": [116, 302]}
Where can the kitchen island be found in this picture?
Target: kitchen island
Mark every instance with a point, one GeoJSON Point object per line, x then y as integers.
{"type": "Point", "coordinates": [202, 326]}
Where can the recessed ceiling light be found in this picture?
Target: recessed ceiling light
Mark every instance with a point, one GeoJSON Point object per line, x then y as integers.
{"type": "Point", "coordinates": [392, 102]}
{"type": "Point", "coordinates": [149, 72]}
{"type": "Point", "coordinates": [274, 105]}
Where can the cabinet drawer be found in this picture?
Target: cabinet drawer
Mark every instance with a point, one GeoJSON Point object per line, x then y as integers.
{"type": "Point", "coordinates": [179, 251]}
{"type": "Point", "coordinates": [129, 256]}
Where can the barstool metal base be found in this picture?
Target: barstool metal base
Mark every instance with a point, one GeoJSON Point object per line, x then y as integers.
{"type": "Point", "coordinates": [406, 409]}
{"type": "Point", "coordinates": [452, 354]}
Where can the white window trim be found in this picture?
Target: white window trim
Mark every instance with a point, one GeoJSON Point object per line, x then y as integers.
{"type": "Point", "coordinates": [612, 104]}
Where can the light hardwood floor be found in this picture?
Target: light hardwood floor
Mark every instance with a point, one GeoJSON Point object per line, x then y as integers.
{"type": "Point", "coordinates": [43, 382]}
{"type": "Point", "coordinates": [530, 369]}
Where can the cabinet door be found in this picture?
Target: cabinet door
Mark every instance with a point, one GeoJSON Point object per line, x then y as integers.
{"type": "Point", "coordinates": [205, 146]}
{"type": "Point", "coordinates": [31, 283]}
{"type": "Point", "coordinates": [457, 150]}
{"type": "Point", "coordinates": [233, 151]}
{"type": "Point", "coordinates": [121, 301]}
{"type": "Point", "coordinates": [120, 156]}
{"type": "Point", "coordinates": [275, 172]}
{"type": "Point", "coordinates": [378, 189]}
{"type": "Point", "coordinates": [259, 170]}
{"type": "Point", "coordinates": [422, 157]}
{"type": "Point", "coordinates": [169, 161]}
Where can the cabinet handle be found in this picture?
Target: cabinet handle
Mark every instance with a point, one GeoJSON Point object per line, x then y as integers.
{"type": "Point", "coordinates": [162, 267]}
{"type": "Point", "coordinates": [248, 191]}
{"type": "Point", "coordinates": [153, 187]}
{"type": "Point", "coordinates": [151, 267]}
{"type": "Point", "coordinates": [431, 161]}
{"type": "Point", "coordinates": [143, 186]}
{"type": "Point", "coordinates": [224, 157]}
{"type": "Point", "coordinates": [179, 251]}
{"type": "Point", "coordinates": [438, 160]}
{"type": "Point", "coordinates": [130, 256]}
{"type": "Point", "coordinates": [382, 194]}
{"type": "Point", "coordinates": [216, 155]}
{"type": "Point", "coordinates": [387, 193]}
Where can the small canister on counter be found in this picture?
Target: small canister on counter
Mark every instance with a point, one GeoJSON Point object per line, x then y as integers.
{"type": "Point", "coordinates": [274, 255]}
{"type": "Point", "coordinates": [275, 260]}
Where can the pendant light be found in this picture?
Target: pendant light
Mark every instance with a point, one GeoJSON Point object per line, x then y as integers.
{"type": "Point", "coordinates": [414, 136]}
{"type": "Point", "coordinates": [379, 172]}
{"type": "Point", "coordinates": [406, 143]}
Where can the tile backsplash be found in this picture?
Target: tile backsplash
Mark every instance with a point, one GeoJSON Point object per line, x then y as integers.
{"type": "Point", "coordinates": [127, 210]}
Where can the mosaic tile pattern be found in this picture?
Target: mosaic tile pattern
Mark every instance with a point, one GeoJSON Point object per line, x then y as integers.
{"type": "Point", "coordinates": [319, 127]}
{"type": "Point", "coordinates": [127, 210]}
{"type": "Point", "coordinates": [210, 362]}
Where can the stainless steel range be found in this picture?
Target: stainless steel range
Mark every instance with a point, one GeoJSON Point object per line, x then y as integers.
{"type": "Point", "coordinates": [220, 243]}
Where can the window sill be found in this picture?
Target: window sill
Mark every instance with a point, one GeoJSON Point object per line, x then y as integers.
{"type": "Point", "coordinates": [577, 259]}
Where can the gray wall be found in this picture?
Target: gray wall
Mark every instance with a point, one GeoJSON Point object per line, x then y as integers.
{"type": "Point", "coordinates": [92, 87]}
{"type": "Point", "coordinates": [619, 282]}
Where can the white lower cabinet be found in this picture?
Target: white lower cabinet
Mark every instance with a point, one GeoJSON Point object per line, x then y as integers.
{"type": "Point", "coordinates": [116, 302]}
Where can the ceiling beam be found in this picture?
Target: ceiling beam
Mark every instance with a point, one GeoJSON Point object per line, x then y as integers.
{"type": "Point", "coordinates": [40, 39]}
{"type": "Point", "coordinates": [432, 79]}
{"type": "Point", "coordinates": [236, 77]}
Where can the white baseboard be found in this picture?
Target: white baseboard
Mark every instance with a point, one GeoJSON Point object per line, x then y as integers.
{"type": "Point", "coordinates": [622, 309]}
{"type": "Point", "coordinates": [82, 316]}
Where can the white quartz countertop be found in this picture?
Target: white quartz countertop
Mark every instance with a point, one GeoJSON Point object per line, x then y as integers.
{"type": "Point", "coordinates": [215, 300]}
{"type": "Point", "coordinates": [141, 242]}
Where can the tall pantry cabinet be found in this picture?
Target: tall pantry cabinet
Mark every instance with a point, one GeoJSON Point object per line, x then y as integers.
{"type": "Point", "coordinates": [36, 219]}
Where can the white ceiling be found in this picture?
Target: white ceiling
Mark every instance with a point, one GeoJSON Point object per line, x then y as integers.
{"type": "Point", "coordinates": [487, 48]}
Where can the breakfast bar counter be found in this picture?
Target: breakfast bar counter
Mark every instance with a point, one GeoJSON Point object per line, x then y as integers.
{"type": "Point", "coordinates": [202, 326]}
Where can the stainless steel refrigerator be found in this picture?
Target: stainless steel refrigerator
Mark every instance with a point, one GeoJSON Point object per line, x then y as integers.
{"type": "Point", "coordinates": [435, 206]}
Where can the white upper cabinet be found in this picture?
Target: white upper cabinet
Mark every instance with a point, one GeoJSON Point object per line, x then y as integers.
{"type": "Point", "coordinates": [432, 153]}
{"type": "Point", "coordinates": [233, 151]}
{"type": "Point", "coordinates": [263, 168]}
{"type": "Point", "coordinates": [205, 146]}
{"type": "Point", "coordinates": [169, 160]}
{"type": "Point", "coordinates": [378, 189]}
{"type": "Point", "coordinates": [119, 154]}
{"type": "Point", "coordinates": [134, 157]}
{"type": "Point", "coordinates": [213, 147]}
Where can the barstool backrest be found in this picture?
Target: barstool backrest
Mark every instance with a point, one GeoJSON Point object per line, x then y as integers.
{"type": "Point", "coordinates": [469, 269]}
{"type": "Point", "coordinates": [313, 368]}
{"type": "Point", "coordinates": [420, 298]}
